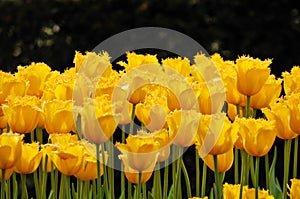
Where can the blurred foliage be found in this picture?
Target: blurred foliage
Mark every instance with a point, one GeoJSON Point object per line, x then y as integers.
{"type": "Point", "coordinates": [51, 31]}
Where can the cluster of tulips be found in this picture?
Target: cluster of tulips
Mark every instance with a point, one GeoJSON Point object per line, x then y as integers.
{"type": "Point", "coordinates": [63, 130]}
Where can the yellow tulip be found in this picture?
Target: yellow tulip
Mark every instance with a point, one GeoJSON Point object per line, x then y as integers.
{"type": "Point", "coordinates": [293, 102]}
{"type": "Point", "coordinates": [294, 189]}
{"type": "Point", "coordinates": [225, 161]}
{"type": "Point", "coordinates": [258, 135]}
{"type": "Point", "coordinates": [63, 139]}
{"type": "Point", "coordinates": [22, 113]}
{"type": "Point", "coordinates": [107, 82]}
{"type": "Point", "coordinates": [8, 173]}
{"type": "Point", "coordinates": [280, 113]}
{"type": "Point", "coordinates": [204, 69]}
{"type": "Point", "coordinates": [30, 159]}
{"type": "Point", "coordinates": [262, 194]}
{"type": "Point", "coordinates": [3, 119]}
{"type": "Point", "coordinates": [232, 111]}
{"type": "Point", "coordinates": [58, 116]}
{"type": "Point", "coordinates": [268, 93]}
{"type": "Point", "coordinates": [46, 150]}
{"type": "Point", "coordinates": [10, 149]}
{"type": "Point", "coordinates": [183, 126]}
{"type": "Point", "coordinates": [251, 74]}
{"type": "Point", "coordinates": [68, 159]}
{"type": "Point", "coordinates": [179, 64]}
{"type": "Point", "coordinates": [135, 60]}
{"type": "Point", "coordinates": [233, 96]}
{"type": "Point", "coordinates": [11, 85]}
{"type": "Point", "coordinates": [291, 81]}
{"type": "Point", "coordinates": [98, 122]}
{"type": "Point", "coordinates": [89, 169]}
{"type": "Point", "coordinates": [216, 135]}
{"type": "Point", "coordinates": [231, 191]}
{"type": "Point", "coordinates": [36, 74]}
{"type": "Point", "coordinates": [205, 197]}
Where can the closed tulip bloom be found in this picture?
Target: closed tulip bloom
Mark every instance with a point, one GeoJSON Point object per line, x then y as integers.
{"type": "Point", "coordinates": [293, 102]}
{"type": "Point", "coordinates": [98, 120]}
{"type": "Point", "coordinates": [36, 74]}
{"type": "Point", "coordinates": [233, 96]}
{"type": "Point", "coordinates": [262, 194]}
{"type": "Point", "coordinates": [183, 126]}
{"type": "Point", "coordinates": [10, 149]}
{"type": "Point", "coordinates": [268, 93]}
{"type": "Point", "coordinates": [294, 190]}
{"type": "Point", "coordinates": [232, 111]}
{"type": "Point", "coordinates": [68, 159]}
{"type": "Point", "coordinates": [58, 116]}
{"type": "Point", "coordinates": [291, 81]}
{"type": "Point", "coordinates": [258, 135]}
{"type": "Point", "coordinates": [30, 159]}
{"type": "Point", "coordinates": [251, 74]}
{"type": "Point", "coordinates": [231, 191]}
{"type": "Point", "coordinates": [63, 139]}
{"type": "Point", "coordinates": [280, 113]}
{"type": "Point", "coordinates": [225, 161]}
{"type": "Point", "coordinates": [179, 64]}
{"type": "Point", "coordinates": [46, 150]}
{"type": "Point", "coordinates": [22, 113]}
{"type": "Point", "coordinates": [216, 135]}
{"type": "Point", "coordinates": [3, 120]}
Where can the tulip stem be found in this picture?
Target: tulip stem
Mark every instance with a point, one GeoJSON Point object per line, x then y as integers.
{"type": "Point", "coordinates": [256, 176]}
{"type": "Point", "coordinates": [295, 168]}
{"type": "Point", "coordinates": [197, 174]}
{"type": "Point", "coordinates": [24, 187]}
{"type": "Point", "coordinates": [157, 183]}
{"type": "Point", "coordinates": [217, 178]}
{"type": "Point", "coordinates": [244, 172]}
{"type": "Point", "coordinates": [267, 170]}
{"type": "Point", "coordinates": [132, 120]}
{"type": "Point", "coordinates": [104, 172]}
{"type": "Point", "coordinates": [177, 182]}
{"type": "Point", "coordinates": [248, 107]}
{"type": "Point", "coordinates": [187, 180]}
{"type": "Point", "coordinates": [129, 190]}
{"type": "Point", "coordinates": [15, 185]}
{"type": "Point", "coordinates": [166, 178]}
{"type": "Point", "coordinates": [2, 183]}
{"type": "Point", "coordinates": [139, 186]}
{"type": "Point", "coordinates": [236, 166]}
{"type": "Point", "coordinates": [287, 150]}
{"type": "Point", "coordinates": [203, 186]}
{"type": "Point", "coordinates": [99, 188]}
{"type": "Point", "coordinates": [122, 166]}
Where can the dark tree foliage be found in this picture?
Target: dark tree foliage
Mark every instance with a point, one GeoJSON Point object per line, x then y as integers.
{"type": "Point", "coordinates": [51, 31]}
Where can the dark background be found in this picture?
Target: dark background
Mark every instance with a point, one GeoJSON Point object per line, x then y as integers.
{"type": "Point", "coordinates": [51, 31]}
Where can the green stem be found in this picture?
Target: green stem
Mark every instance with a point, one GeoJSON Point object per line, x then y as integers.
{"type": "Point", "coordinates": [166, 179]}
{"type": "Point", "coordinates": [129, 190]}
{"type": "Point", "coordinates": [186, 177]}
{"type": "Point", "coordinates": [99, 189]}
{"type": "Point", "coordinates": [252, 171]}
{"type": "Point", "coordinates": [122, 165]}
{"type": "Point", "coordinates": [244, 171]}
{"type": "Point", "coordinates": [287, 150]}
{"type": "Point", "coordinates": [144, 191]}
{"type": "Point", "coordinates": [24, 187]}
{"type": "Point", "coordinates": [139, 186]}
{"type": "Point", "coordinates": [3, 183]}
{"type": "Point", "coordinates": [104, 173]}
{"type": "Point", "coordinates": [197, 173]}
{"type": "Point", "coordinates": [8, 194]}
{"type": "Point", "coordinates": [15, 185]}
{"type": "Point", "coordinates": [177, 182]}
{"type": "Point", "coordinates": [236, 166]}
{"type": "Point", "coordinates": [295, 168]}
{"type": "Point", "coordinates": [110, 168]}
{"type": "Point", "coordinates": [217, 178]}
{"type": "Point", "coordinates": [203, 186]}
{"type": "Point", "coordinates": [256, 176]}
{"type": "Point", "coordinates": [248, 107]}
{"type": "Point", "coordinates": [267, 170]}
{"type": "Point", "coordinates": [157, 183]}
{"type": "Point", "coordinates": [132, 119]}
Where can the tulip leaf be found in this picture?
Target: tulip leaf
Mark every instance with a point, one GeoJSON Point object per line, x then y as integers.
{"type": "Point", "coordinates": [211, 194]}
{"type": "Point", "coordinates": [170, 196]}
{"type": "Point", "coordinates": [50, 194]}
{"type": "Point", "coordinates": [122, 196]}
{"type": "Point", "coordinates": [275, 189]}
{"type": "Point", "coordinates": [74, 194]}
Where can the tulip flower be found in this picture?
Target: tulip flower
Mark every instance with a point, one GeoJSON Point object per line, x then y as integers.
{"type": "Point", "coordinates": [10, 149]}
{"type": "Point", "coordinates": [22, 113]}
{"type": "Point", "coordinates": [8, 173]}
{"type": "Point", "coordinates": [294, 189]}
{"type": "Point", "coordinates": [268, 93]}
{"type": "Point", "coordinates": [139, 155]}
{"type": "Point", "coordinates": [183, 126]}
{"type": "Point", "coordinates": [98, 120]}
{"type": "Point", "coordinates": [280, 113]}
{"type": "Point", "coordinates": [30, 159]}
{"type": "Point", "coordinates": [258, 135]}
{"type": "Point", "coordinates": [3, 119]}
{"type": "Point", "coordinates": [216, 135]}
{"type": "Point", "coordinates": [262, 194]}
{"type": "Point", "coordinates": [231, 191]}
{"type": "Point", "coordinates": [63, 139]}
{"type": "Point", "coordinates": [251, 74]}
{"type": "Point", "coordinates": [180, 65]}
{"type": "Point", "coordinates": [291, 81]}
{"type": "Point", "coordinates": [293, 102]}
{"type": "Point", "coordinates": [36, 74]}
{"type": "Point", "coordinates": [225, 161]}
{"type": "Point", "coordinates": [68, 159]}
{"type": "Point", "coordinates": [58, 116]}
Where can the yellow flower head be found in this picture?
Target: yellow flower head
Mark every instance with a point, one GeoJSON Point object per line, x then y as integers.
{"type": "Point", "coordinates": [183, 126]}
{"type": "Point", "coordinates": [8, 173]}
{"type": "Point", "coordinates": [58, 116]}
{"type": "Point", "coordinates": [62, 139]}
{"type": "Point", "coordinates": [68, 159]}
{"type": "Point", "coordinates": [251, 74]}
{"type": "Point", "coordinates": [231, 191]}
{"type": "Point", "coordinates": [280, 114]}
{"type": "Point", "coordinates": [3, 119]}
{"type": "Point", "coordinates": [291, 81]}
{"type": "Point", "coordinates": [22, 113]}
{"type": "Point", "coordinates": [30, 159]}
{"type": "Point", "coordinates": [136, 60]}
{"type": "Point", "coordinates": [225, 161]}
{"type": "Point", "coordinates": [10, 149]}
{"type": "Point", "coordinates": [258, 135]}
{"type": "Point", "coordinates": [268, 93]}
{"type": "Point", "coordinates": [294, 189]}
{"type": "Point", "coordinates": [11, 85]}
{"type": "Point", "coordinates": [293, 102]}
{"type": "Point", "coordinates": [216, 135]}
{"type": "Point", "coordinates": [179, 64]}
{"type": "Point", "coordinates": [36, 74]}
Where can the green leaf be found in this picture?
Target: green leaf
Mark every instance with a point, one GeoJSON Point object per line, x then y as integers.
{"type": "Point", "coordinates": [275, 189]}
